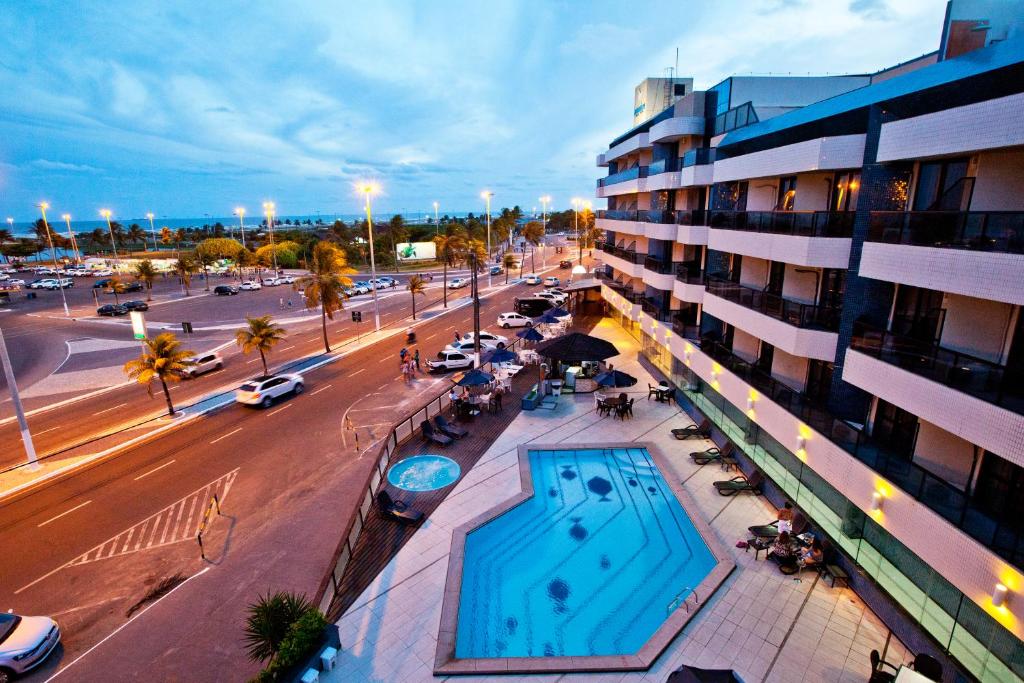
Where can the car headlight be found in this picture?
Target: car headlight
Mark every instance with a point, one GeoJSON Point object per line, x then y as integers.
{"type": "Point", "coordinates": [21, 656]}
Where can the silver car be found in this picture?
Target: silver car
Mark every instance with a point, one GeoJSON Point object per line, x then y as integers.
{"type": "Point", "coordinates": [25, 642]}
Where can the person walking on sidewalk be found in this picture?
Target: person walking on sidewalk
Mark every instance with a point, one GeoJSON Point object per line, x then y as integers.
{"type": "Point", "coordinates": [416, 359]}
{"type": "Point", "coordinates": [402, 354]}
{"type": "Point", "coordinates": [457, 337]}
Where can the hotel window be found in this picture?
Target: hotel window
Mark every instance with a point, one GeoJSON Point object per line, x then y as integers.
{"type": "Point", "coordinates": [787, 194]}
{"type": "Point", "coordinates": [943, 186]}
{"type": "Point", "coordinates": [845, 190]}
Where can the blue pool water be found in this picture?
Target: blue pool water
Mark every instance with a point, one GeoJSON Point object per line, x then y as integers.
{"type": "Point", "coordinates": [588, 566]}
{"type": "Point", "coordinates": [424, 473]}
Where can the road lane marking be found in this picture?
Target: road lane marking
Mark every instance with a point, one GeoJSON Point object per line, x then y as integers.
{"type": "Point", "coordinates": [357, 372]}
{"type": "Point", "coordinates": [155, 469]}
{"type": "Point", "coordinates": [221, 438]}
{"type": "Point", "coordinates": [288, 347]}
{"type": "Point", "coordinates": [430, 337]}
{"type": "Point", "coordinates": [66, 512]}
{"type": "Point", "coordinates": [323, 388]}
{"type": "Point", "coordinates": [107, 410]}
{"type": "Point", "coordinates": [383, 360]}
{"type": "Point", "coordinates": [251, 361]}
{"type": "Point", "coordinates": [47, 430]}
{"type": "Point", "coordinates": [275, 412]}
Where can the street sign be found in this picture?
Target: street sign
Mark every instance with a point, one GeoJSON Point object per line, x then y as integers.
{"type": "Point", "coordinates": [357, 316]}
{"type": "Point", "coordinates": [186, 327]}
{"type": "Point", "coordinates": [138, 325]}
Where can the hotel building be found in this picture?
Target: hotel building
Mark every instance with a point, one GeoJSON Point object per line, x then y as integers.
{"type": "Point", "coordinates": [831, 270]}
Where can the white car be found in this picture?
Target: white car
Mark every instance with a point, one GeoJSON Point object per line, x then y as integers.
{"type": "Point", "coordinates": [204, 363]}
{"type": "Point", "coordinates": [556, 299]}
{"type": "Point", "coordinates": [467, 347]}
{"type": "Point", "coordinates": [532, 279]}
{"type": "Point", "coordinates": [250, 285]}
{"type": "Point", "coordinates": [14, 282]}
{"type": "Point", "coordinates": [286, 280]}
{"type": "Point", "coordinates": [270, 281]}
{"type": "Point", "coordinates": [384, 283]}
{"type": "Point", "coordinates": [485, 336]}
{"type": "Point", "coordinates": [103, 272]}
{"type": "Point", "coordinates": [458, 283]}
{"type": "Point", "coordinates": [552, 281]}
{"type": "Point", "coordinates": [262, 391]}
{"type": "Point", "coordinates": [450, 360]}
{"type": "Point", "coordinates": [59, 283]}
{"type": "Point", "coordinates": [507, 320]}
{"type": "Point", "coordinates": [25, 642]}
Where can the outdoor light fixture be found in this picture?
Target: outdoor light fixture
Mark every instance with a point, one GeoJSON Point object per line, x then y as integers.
{"type": "Point", "coordinates": [801, 442]}
{"type": "Point", "coordinates": [876, 501]}
{"type": "Point", "coordinates": [750, 404]}
{"type": "Point", "coordinates": [999, 595]}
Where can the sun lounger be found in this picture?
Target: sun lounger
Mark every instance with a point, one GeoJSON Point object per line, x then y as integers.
{"type": "Point", "coordinates": [701, 431]}
{"type": "Point", "coordinates": [430, 435]}
{"type": "Point", "coordinates": [396, 509]}
{"type": "Point", "coordinates": [731, 487]}
{"type": "Point", "coordinates": [713, 454]}
{"type": "Point", "coordinates": [448, 429]}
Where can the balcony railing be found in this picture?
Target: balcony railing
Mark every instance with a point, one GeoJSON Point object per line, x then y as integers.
{"type": "Point", "coordinates": [698, 157]}
{"type": "Point", "coordinates": [994, 527]}
{"type": "Point", "coordinates": [774, 306]}
{"type": "Point", "coordinates": [659, 266]}
{"type": "Point", "coordinates": [685, 327]}
{"type": "Point", "coordinates": [980, 378]}
{"type": "Point", "coordinates": [663, 166]}
{"type": "Point", "coordinates": [680, 217]}
{"type": "Point", "coordinates": [627, 292]}
{"type": "Point", "coordinates": [616, 215]}
{"type": "Point", "coordinates": [1001, 231]}
{"type": "Point", "coordinates": [803, 223]}
{"type": "Point", "coordinates": [690, 272]}
{"type": "Point", "coordinates": [623, 176]}
{"type": "Point", "coordinates": [624, 254]}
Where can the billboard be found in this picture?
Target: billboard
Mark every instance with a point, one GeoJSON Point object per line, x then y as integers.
{"type": "Point", "coordinates": [415, 251]}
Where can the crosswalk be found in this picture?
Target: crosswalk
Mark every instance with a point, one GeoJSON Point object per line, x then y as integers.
{"type": "Point", "coordinates": [177, 522]}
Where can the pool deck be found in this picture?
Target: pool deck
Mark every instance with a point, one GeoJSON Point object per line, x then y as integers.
{"type": "Point", "coordinates": [761, 623]}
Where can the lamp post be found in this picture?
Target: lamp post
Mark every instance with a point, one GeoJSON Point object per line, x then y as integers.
{"type": "Point", "coordinates": [152, 230]}
{"type": "Point", "coordinates": [12, 385]}
{"type": "Point", "coordinates": [576, 201]}
{"type": "Point", "coordinates": [544, 201]}
{"type": "Point", "coordinates": [586, 210]}
{"type": "Point", "coordinates": [268, 209]}
{"type": "Point", "coordinates": [487, 194]}
{"type": "Point", "coordinates": [71, 236]}
{"type": "Point", "coordinates": [113, 245]}
{"type": "Point", "coordinates": [369, 189]}
{"type": "Point", "coordinates": [437, 223]}
{"type": "Point", "coordinates": [43, 206]}
{"type": "Point", "coordinates": [240, 212]}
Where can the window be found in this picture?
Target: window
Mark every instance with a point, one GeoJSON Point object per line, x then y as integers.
{"type": "Point", "coordinates": [845, 191]}
{"type": "Point", "coordinates": [942, 186]}
{"type": "Point", "coordinates": [787, 194]}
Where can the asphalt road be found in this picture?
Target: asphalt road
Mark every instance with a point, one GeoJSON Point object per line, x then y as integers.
{"type": "Point", "coordinates": [288, 467]}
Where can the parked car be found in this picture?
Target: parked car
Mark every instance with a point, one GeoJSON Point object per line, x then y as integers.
{"type": "Point", "coordinates": [112, 310]}
{"type": "Point", "coordinates": [385, 282]}
{"type": "Point", "coordinates": [38, 283]}
{"type": "Point", "coordinates": [225, 290]}
{"type": "Point", "coordinates": [59, 283]}
{"type": "Point", "coordinates": [497, 270]}
{"type": "Point", "coordinates": [458, 283]}
{"type": "Point", "coordinates": [270, 281]}
{"type": "Point", "coordinates": [25, 643]}
{"type": "Point", "coordinates": [533, 306]}
{"type": "Point", "coordinates": [556, 299]}
{"type": "Point", "coordinates": [450, 360]}
{"type": "Point", "coordinates": [466, 346]}
{"type": "Point", "coordinates": [136, 305]}
{"type": "Point", "coordinates": [486, 336]}
{"type": "Point", "coordinates": [532, 279]}
{"type": "Point", "coordinates": [100, 283]}
{"type": "Point", "coordinates": [262, 391]}
{"type": "Point", "coordinates": [286, 279]}
{"type": "Point", "coordinates": [14, 282]}
{"type": "Point", "coordinates": [45, 271]}
{"type": "Point", "coordinates": [361, 287]}
{"type": "Point", "coordinates": [250, 285]}
{"type": "Point", "coordinates": [128, 287]}
{"type": "Point", "coordinates": [102, 272]}
{"type": "Point", "coordinates": [565, 264]}
{"type": "Point", "coordinates": [204, 363]}
{"type": "Point", "coordinates": [552, 281]}
{"type": "Point", "coordinates": [507, 320]}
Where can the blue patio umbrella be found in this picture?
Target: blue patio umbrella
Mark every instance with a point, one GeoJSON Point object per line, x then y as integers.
{"type": "Point", "coordinates": [558, 312]}
{"type": "Point", "coordinates": [530, 334]}
{"type": "Point", "coordinates": [614, 378]}
{"type": "Point", "coordinates": [499, 356]}
{"type": "Point", "coordinates": [475, 378]}
{"type": "Point", "coordinates": [547, 319]}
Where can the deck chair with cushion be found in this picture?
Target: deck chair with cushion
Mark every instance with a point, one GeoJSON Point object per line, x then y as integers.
{"type": "Point", "coordinates": [731, 487]}
{"type": "Point", "coordinates": [396, 509]}
{"type": "Point", "coordinates": [436, 437]}
{"type": "Point", "coordinates": [701, 431]}
{"type": "Point", "coordinates": [713, 454]}
{"type": "Point", "coordinates": [448, 429]}
{"type": "Point", "coordinates": [772, 530]}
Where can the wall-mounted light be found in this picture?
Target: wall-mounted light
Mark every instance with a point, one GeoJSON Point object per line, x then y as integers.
{"type": "Point", "coordinates": [876, 501]}
{"type": "Point", "coordinates": [999, 595]}
{"type": "Point", "coordinates": [750, 404]}
{"type": "Point", "coordinates": [801, 441]}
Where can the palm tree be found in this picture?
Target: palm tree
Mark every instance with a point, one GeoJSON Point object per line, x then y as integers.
{"type": "Point", "coordinates": [325, 285]}
{"type": "Point", "coordinates": [204, 259]}
{"type": "Point", "coordinates": [97, 237]}
{"type": "Point", "coordinates": [162, 358]}
{"type": "Point", "coordinates": [145, 272]}
{"type": "Point", "coordinates": [246, 259]}
{"type": "Point", "coordinates": [116, 286]}
{"type": "Point", "coordinates": [509, 262]}
{"type": "Point", "coordinates": [5, 237]}
{"type": "Point", "coordinates": [533, 232]}
{"type": "Point", "coordinates": [446, 246]}
{"type": "Point", "coordinates": [417, 285]}
{"type": "Point", "coordinates": [180, 235]}
{"type": "Point", "coordinates": [269, 621]}
{"type": "Point", "coordinates": [397, 232]}
{"type": "Point", "coordinates": [136, 234]}
{"type": "Point", "coordinates": [185, 268]}
{"type": "Point", "coordinates": [261, 335]}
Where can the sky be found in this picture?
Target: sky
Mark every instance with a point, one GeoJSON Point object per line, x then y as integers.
{"type": "Point", "coordinates": [190, 108]}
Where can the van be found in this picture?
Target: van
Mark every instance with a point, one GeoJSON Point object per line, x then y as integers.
{"type": "Point", "coordinates": [532, 306]}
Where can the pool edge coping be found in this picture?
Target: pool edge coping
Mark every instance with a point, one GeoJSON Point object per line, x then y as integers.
{"type": "Point", "coordinates": [445, 662]}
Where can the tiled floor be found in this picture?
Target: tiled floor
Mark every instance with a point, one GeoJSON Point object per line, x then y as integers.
{"type": "Point", "coordinates": [761, 623]}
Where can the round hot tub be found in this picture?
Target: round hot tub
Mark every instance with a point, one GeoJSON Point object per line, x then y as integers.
{"type": "Point", "coordinates": [424, 473]}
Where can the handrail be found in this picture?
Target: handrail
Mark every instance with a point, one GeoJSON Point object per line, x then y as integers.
{"type": "Point", "coordinates": [622, 176]}
{"type": "Point", "coordinates": [788, 311]}
{"type": "Point", "coordinates": [690, 272]}
{"type": "Point", "coordinates": [1001, 231]}
{"type": "Point", "coordinates": [674, 603]}
{"type": "Point", "coordinates": [660, 266]}
{"type": "Point", "coordinates": [698, 157]}
{"type": "Point", "coordinates": [801, 223]}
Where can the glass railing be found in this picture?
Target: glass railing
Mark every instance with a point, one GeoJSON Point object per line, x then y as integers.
{"type": "Point", "coordinates": [680, 217]}
{"type": "Point", "coordinates": [698, 157]}
{"type": "Point", "coordinates": [617, 215]}
{"type": "Point", "coordinates": [685, 327]}
{"type": "Point", "coordinates": [627, 254]}
{"type": "Point", "coordinates": [737, 117]}
{"type": "Point", "coordinates": [690, 272]}
{"type": "Point", "coordinates": [980, 378]}
{"type": "Point", "coordinates": [803, 223]}
{"type": "Point", "coordinates": [1001, 231]}
{"type": "Point", "coordinates": [663, 166]}
{"type": "Point", "coordinates": [659, 266]}
{"type": "Point", "coordinates": [790, 312]}
{"type": "Point", "coordinates": [623, 176]}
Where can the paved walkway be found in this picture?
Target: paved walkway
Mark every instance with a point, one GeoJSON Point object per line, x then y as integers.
{"type": "Point", "coordinates": [763, 624]}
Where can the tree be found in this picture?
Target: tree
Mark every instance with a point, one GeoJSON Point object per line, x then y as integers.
{"type": "Point", "coordinates": [246, 259]}
{"type": "Point", "coordinates": [417, 286]}
{"type": "Point", "coordinates": [136, 234]}
{"type": "Point", "coordinates": [270, 618]}
{"type": "Point", "coordinates": [166, 237]}
{"type": "Point", "coordinates": [162, 358]}
{"type": "Point", "coordinates": [145, 272]}
{"type": "Point", "coordinates": [509, 261]}
{"type": "Point", "coordinates": [5, 237]}
{"type": "Point", "coordinates": [260, 335]}
{"type": "Point", "coordinates": [185, 268]}
{"type": "Point", "coordinates": [326, 282]}
{"type": "Point", "coordinates": [220, 247]}
{"type": "Point", "coordinates": [117, 287]}
{"type": "Point", "coordinates": [180, 235]}
{"type": "Point", "coordinates": [446, 246]}
{"type": "Point", "coordinates": [533, 232]}
{"type": "Point", "coordinates": [204, 260]}
{"type": "Point", "coordinates": [398, 233]}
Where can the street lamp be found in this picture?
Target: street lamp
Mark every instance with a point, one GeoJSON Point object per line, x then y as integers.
{"type": "Point", "coordinates": [586, 210]}
{"type": "Point", "coordinates": [12, 385]}
{"type": "Point", "coordinates": [368, 189]}
{"type": "Point", "coordinates": [544, 201]}
{"type": "Point", "coordinates": [487, 194]}
{"type": "Point", "coordinates": [113, 245]}
{"type": "Point", "coordinates": [43, 206]}
{"type": "Point", "coordinates": [152, 229]}
{"type": "Point", "coordinates": [576, 201]}
{"type": "Point", "coordinates": [437, 223]}
{"type": "Point", "coordinates": [71, 236]}
{"type": "Point", "coordinates": [268, 209]}
{"type": "Point", "coordinates": [240, 212]}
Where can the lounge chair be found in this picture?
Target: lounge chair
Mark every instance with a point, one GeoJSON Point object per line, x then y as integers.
{"type": "Point", "coordinates": [448, 429]}
{"type": "Point", "coordinates": [731, 487]}
{"type": "Point", "coordinates": [772, 530]}
{"type": "Point", "coordinates": [701, 431]}
{"type": "Point", "coordinates": [713, 454]}
{"type": "Point", "coordinates": [396, 509]}
{"type": "Point", "coordinates": [430, 435]}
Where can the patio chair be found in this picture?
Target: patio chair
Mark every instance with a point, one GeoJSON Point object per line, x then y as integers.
{"type": "Point", "coordinates": [396, 509]}
{"type": "Point", "coordinates": [653, 391]}
{"type": "Point", "coordinates": [730, 487]}
{"type": "Point", "coordinates": [625, 409]}
{"type": "Point", "coordinates": [878, 674]}
{"type": "Point", "coordinates": [772, 530]}
{"type": "Point", "coordinates": [603, 409]}
{"type": "Point", "coordinates": [927, 666]}
{"type": "Point", "coordinates": [448, 429]}
{"type": "Point", "coordinates": [713, 454]}
{"type": "Point", "coordinates": [701, 431]}
{"type": "Point", "coordinates": [430, 435]}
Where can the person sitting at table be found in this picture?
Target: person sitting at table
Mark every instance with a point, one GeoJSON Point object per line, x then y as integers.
{"type": "Point", "coordinates": [782, 550]}
{"type": "Point", "coordinates": [812, 555]}
{"type": "Point", "coordinates": [786, 518]}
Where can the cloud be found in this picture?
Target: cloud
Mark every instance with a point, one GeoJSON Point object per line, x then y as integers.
{"type": "Point", "coordinates": [603, 41]}
{"type": "Point", "coordinates": [47, 165]}
{"type": "Point", "coordinates": [874, 9]}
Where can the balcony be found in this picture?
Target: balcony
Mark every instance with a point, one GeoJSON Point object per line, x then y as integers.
{"type": "Point", "coordinates": [670, 165]}
{"type": "Point", "coordinates": [822, 154]}
{"type": "Point", "coordinates": [993, 231]}
{"type": "Point", "coordinates": [682, 217]}
{"type": "Point", "coordinates": [684, 327]}
{"type": "Point", "coordinates": [623, 176]}
{"type": "Point", "coordinates": [654, 310]}
{"type": "Point", "coordinates": [614, 215]}
{"type": "Point", "coordinates": [656, 265]}
{"type": "Point", "coordinates": [689, 272]}
{"type": "Point", "coordinates": [701, 156]}
{"type": "Point", "coordinates": [798, 223]}
{"type": "Point", "coordinates": [774, 306]}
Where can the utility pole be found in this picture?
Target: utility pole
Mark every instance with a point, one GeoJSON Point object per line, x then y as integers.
{"type": "Point", "coordinates": [476, 309]}
{"type": "Point", "coordinates": [26, 436]}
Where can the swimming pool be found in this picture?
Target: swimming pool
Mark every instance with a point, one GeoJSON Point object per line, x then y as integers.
{"type": "Point", "coordinates": [593, 560]}
{"type": "Point", "coordinates": [424, 473]}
